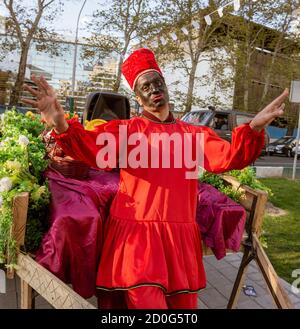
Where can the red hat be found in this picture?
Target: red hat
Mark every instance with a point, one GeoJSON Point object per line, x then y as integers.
{"type": "Point", "coordinates": [139, 62]}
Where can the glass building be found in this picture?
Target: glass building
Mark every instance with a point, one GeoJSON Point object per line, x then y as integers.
{"type": "Point", "coordinates": [60, 67]}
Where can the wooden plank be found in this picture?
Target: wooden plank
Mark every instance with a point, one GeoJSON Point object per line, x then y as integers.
{"type": "Point", "coordinates": [57, 293]}
{"type": "Point", "coordinates": [259, 213]}
{"type": "Point", "coordinates": [250, 195]}
{"type": "Point", "coordinates": [278, 293]}
{"type": "Point", "coordinates": [247, 200]}
{"type": "Point", "coordinates": [20, 208]}
{"type": "Point", "coordinates": [239, 281]}
{"type": "Point", "coordinates": [237, 185]}
{"type": "Point", "coordinates": [18, 228]}
{"type": "Point", "coordinates": [26, 295]}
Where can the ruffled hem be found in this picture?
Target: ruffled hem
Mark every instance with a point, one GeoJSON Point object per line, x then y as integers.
{"type": "Point", "coordinates": [139, 253]}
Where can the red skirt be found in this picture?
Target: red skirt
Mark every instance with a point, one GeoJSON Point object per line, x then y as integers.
{"type": "Point", "coordinates": [151, 253]}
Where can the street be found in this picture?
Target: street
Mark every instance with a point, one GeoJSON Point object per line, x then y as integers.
{"type": "Point", "coordinates": [276, 161]}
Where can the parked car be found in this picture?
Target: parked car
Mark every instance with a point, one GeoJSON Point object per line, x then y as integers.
{"type": "Point", "coordinates": [282, 146]}
{"type": "Point", "coordinates": [221, 121]}
{"type": "Point", "coordinates": [293, 149]}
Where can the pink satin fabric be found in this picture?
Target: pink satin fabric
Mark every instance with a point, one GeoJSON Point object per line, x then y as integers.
{"type": "Point", "coordinates": [221, 220]}
{"type": "Point", "coordinates": [72, 246]}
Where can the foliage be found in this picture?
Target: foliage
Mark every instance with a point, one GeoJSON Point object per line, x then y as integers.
{"type": "Point", "coordinates": [216, 181]}
{"type": "Point", "coordinates": [22, 161]}
{"type": "Point", "coordinates": [25, 23]}
{"type": "Point", "coordinates": [262, 51]}
{"type": "Point", "coordinates": [185, 55]}
{"type": "Point", "coordinates": [245, 177]}
{"type": "Point", "coordinates": [113, 29]}
{"type": "Point", "coordinates": [37, 217]}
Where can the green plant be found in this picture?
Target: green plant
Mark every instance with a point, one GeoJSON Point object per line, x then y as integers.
{"type": "Point", "coordinates": [22, 161]}
{"type": "Point", "coordinates": [216, 181]}
{"type": "Point", "coordinates": [245, 177]}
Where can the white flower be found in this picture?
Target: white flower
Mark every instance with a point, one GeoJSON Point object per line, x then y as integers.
{"type": "Point", "coordinates": [2, 117]}
{"type": "Point", "coordinates": [13, 165]}
{"type": "Point", "coordinates": [23, 140]}
{"type": "Point", "coordinates": [5, 184]}
{"type": "Point", "coordinates": [1, 201]}
{"type": "Point", "coordinates": [1, 144]}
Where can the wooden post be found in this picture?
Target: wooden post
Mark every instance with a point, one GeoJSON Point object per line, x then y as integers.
{"type": "Point", "coordinates": [20, 209]}
{"type": "Point", "coordinates": [239, 281]}
{"type": "Point", "coordinates": [26, 295]}
{"type": "Point", "coordinates": [278, 293]}
{"type": "Point", "coordinates": [255, 203]}
{"type": "Point", "coordinates": [18, 229]}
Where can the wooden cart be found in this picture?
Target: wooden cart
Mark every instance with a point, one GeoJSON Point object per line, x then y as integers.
{"type": "Point", "coordinates": [34, 277]}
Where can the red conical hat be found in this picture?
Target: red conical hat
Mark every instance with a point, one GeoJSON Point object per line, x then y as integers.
{"type": "Point", "coordinates": [139, 62]}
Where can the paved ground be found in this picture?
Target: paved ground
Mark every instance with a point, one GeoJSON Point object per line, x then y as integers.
{"type": "Point", "coordinates": [220, 276]}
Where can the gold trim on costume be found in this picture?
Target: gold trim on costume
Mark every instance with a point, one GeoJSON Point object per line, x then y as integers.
{"type": "Point", "coordinates": [184, 291]}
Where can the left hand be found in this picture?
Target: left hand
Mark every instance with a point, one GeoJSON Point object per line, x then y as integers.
{"type": "Point", "coordinates": [269, 113]}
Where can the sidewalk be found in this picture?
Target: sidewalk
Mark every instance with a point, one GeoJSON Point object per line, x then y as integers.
{"type": "Point", "coordinates": [220, 278]}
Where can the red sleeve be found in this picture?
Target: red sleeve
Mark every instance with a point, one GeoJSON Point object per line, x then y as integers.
{"type": "Point", "coordinates": [81, 145]}
{"type": "Point", "coordinates": [220, 155]}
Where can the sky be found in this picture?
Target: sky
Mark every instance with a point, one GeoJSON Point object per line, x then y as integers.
{"type": "Point", "coordinates": [68, 19]}
{"type": "Point", "coordinates": [66, 22]}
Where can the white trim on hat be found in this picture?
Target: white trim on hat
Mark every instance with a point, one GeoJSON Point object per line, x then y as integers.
{"type": "Point", "coordinates": [143, 72]}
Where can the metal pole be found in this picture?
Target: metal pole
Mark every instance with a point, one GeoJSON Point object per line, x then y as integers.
{"type": "Point", "coordinates": [296, 148]}
{"type": "Point", "coordinates": [75, 51]}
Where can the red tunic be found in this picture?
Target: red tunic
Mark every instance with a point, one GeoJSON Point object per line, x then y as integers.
{"type": "Point", "coordinates": [151, 237]}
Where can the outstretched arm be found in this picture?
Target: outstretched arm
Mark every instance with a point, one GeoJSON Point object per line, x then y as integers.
{"type": "Point", "coordinates": [46, 102]}
{"type": "Point", "coordinates": [76, 142]}
{"type": "Point", "coordinates": [246, 143]}
{"type": "Point", "coordinates": [270, 112]}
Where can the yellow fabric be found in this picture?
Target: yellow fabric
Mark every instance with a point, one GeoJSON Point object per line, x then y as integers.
{"type": "Point", "coordinates": [91, 125]}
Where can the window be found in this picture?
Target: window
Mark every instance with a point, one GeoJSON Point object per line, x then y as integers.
{"type": "Point", "coordinates": [220, 121]}
{"type": "Point", "coordinates": [199, 118]}
{"type": "Point", "coordinates": [240, 119]}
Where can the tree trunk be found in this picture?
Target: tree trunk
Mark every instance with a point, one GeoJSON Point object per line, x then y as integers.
{"type": "Point", "coordinates": [117, 83]}
{"type": "Point", "coordinates": [190, 92]}
{"type": "Point", "coordinates": [17, 88]}
{"type": "Point", "coordinates": [269, 73]}
{"type": "Point", "coordinates": [246, 86]}
{"type": "Point", "coordinates": [290, 128]}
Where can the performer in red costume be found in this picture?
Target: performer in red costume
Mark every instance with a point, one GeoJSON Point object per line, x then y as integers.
{"type": "Point", "coordinates": [151, 255]}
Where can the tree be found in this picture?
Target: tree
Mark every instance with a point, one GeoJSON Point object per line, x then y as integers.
{"type": "Point", "coordinates": [114, 29]}
{"type": "Point", "coordinates": [23, 25]}
{"type": "Point", "coordinates": [194, 39]}
{"type": "Point", "coordinates": [262, 51]}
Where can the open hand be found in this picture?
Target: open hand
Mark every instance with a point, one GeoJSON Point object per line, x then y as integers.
{"type": "Point", "coordinates": [270, 112]}
{"type": "Point", "coordinates": [46, 102]}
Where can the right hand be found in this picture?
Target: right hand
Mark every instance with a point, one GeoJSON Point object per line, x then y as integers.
{"type": "Point", "coordinates": [47, 103]}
